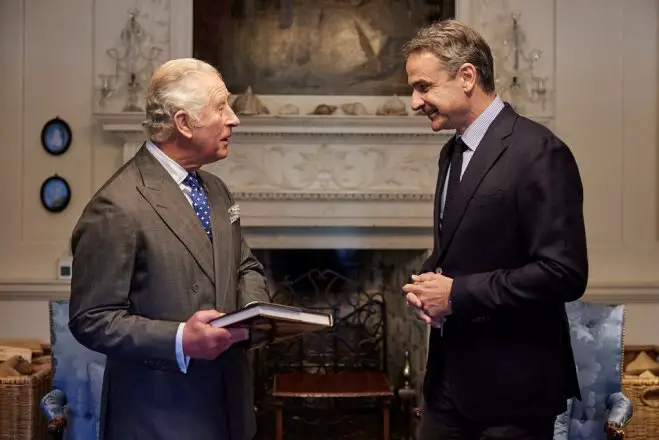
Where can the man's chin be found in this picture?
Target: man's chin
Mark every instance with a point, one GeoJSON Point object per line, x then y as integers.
{"type": "Point", "coordinates": [223, 151]}
{"type": "Point", "coordinates": [438, 124]}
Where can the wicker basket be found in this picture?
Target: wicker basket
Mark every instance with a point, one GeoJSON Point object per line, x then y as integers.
{"type": "Point", "coordinates": [644, 394]}
{"type": "Point", "coordinates": [20, 396]}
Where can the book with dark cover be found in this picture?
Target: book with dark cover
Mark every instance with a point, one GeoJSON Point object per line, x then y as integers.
{"type": "Point", "coordinates": [269, 322]}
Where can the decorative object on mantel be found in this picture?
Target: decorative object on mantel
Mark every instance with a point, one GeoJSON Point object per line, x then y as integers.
{"type": "Point", "coordinates": [289, 110]}
{"type": "Point", "coordinates": [55, 194]}
{"type": "Point", "coordinates": [393, 106]}
{"type": "Point", "coordinates": [515, 69]}
{"type": "Point", "coordinates": [324, 109]}
{"type": "Point", "coordinates": [56, 136]}
{"type": "Point", "coordinates": [133, 64]}
{"type": "Point", "coordinates": [249, 104]}
{"type": "Point", "coordinates": [354, 109]}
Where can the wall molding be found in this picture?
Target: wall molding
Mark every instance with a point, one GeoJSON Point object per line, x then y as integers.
{"type": "Point", "coordinates": [34, 290]}
{"type": "Point", "coordinates": [623, 293]}
{"type": "Point", "coordinates": [45, 290]}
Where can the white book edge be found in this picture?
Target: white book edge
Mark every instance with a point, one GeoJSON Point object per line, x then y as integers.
{"type": "Point", "coordinates": [297, 315]}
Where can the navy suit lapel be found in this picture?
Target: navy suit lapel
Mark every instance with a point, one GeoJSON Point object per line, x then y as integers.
{"type": "Point", "coordinates": [489, 150]}
{"type": "Point", "coordinates": [431, 262]}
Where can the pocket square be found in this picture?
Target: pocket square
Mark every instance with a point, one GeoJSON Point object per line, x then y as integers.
{"type": "Point", "coordinates": [234, 213]}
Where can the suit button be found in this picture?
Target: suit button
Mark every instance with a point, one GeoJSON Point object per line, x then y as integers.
{"type": "Point", "coordinates": [195, 287]}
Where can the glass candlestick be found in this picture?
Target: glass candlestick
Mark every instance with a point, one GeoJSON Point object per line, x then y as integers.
{"type": "Point", "coordinates": [133, 89]}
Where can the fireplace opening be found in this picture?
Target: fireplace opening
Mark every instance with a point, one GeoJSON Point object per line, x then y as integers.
{"type": "Point", "coordinates": [375, 337]}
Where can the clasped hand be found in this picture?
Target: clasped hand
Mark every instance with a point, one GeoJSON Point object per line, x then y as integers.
{"type": "Point", "coordinates": [428, 296]}
{"type": "Point", "coordinates": [203, 341]}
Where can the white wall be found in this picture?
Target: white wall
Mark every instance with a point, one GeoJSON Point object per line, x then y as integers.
{"type": "Point", "coordinates": [601, 56]}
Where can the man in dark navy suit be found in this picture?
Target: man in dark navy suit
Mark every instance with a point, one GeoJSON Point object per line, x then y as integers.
{"type": "Point", "coordinates": [509, 251]}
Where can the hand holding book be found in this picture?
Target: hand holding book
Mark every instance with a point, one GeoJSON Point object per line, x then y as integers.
{"type": "Point", "coordinates": [269, 322]}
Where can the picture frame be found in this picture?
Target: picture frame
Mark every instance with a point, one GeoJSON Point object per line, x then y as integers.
{"type": "Point", "coordinates": [55, 194]}
{"type": "Point", "coordinates": [326, 49]}
{"type": "Point", "coordinates": [56, 136]}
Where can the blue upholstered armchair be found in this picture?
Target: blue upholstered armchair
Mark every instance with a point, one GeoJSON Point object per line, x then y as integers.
{"type": "Point", "coordinates": [73, 405]}
{"type": "Point", "coordinates": [597, 333]}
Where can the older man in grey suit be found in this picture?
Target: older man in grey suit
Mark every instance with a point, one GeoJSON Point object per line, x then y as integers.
{"type": "Point", "coordinates": [158, 253]}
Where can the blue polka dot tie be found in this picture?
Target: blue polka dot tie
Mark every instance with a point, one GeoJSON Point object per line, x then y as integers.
{"type": "Point", "coordinates": [200, 203]}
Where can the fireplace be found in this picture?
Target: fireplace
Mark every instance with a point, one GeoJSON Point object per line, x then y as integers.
{"type": "Point", "coordinates": [374, 332]}
{"type": "Point", "coordinates": [342, 281]}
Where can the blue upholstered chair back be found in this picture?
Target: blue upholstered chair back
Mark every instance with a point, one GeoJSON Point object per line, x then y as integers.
{"type": "Point", "coordinates": [78, 372]}
{"type": "Point", "coordinates": [596, 331]}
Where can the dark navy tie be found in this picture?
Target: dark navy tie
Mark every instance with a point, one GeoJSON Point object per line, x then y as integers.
{"type": "Point", "coordinates": [453, 183]}
{"type": "Point", "coordinates": [200, 203]}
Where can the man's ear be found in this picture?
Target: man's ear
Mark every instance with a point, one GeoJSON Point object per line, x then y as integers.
{"type": "Point", "coordinates": [183, 124]}
{"type": "Point", "coordinates": [467, 73]}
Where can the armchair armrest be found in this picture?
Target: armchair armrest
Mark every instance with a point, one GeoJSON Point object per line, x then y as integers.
{"type": "Point", "coordinates": [53, 406]}
{"type": "Point", "coordinates": [620, 412]}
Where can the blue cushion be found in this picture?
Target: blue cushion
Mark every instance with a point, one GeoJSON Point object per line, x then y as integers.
{"type": "Point", "coordinates": [70, 374]}
{"type": "Point", "coordinates": [95, 371]}
{"type": "Point", "coordinates": [596, 331]}
{"type": "Point", "coordinates": [562, 423]}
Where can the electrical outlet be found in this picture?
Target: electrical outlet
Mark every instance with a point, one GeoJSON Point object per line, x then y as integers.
{"type": "Point", "coordinates": [64, 268]}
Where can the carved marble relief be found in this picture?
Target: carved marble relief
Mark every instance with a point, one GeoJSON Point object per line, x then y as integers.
{"type": "Point", "coordinates": [333, 168]}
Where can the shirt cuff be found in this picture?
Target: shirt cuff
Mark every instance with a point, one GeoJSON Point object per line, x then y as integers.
{"type": "Point", "coordinates": [181, 360]}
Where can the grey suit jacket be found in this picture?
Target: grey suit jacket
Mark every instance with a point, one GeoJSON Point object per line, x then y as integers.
{"type": "Point", "coordinates": [142, 264]}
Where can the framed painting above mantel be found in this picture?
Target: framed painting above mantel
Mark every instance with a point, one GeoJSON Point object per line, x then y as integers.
{"type": "Point", "coordinates": [305, 53]}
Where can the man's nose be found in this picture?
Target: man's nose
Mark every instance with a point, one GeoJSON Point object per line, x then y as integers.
{"type": "Point", "coordinates": [417, 101]}
{"type": "Point", "coordinates": [233, 118]}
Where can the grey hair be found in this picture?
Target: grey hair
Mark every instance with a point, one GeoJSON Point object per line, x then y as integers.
{"type": "Point", "coordinates": [176, 85]}
{"type": "Point", "coordinates": [455, 43]}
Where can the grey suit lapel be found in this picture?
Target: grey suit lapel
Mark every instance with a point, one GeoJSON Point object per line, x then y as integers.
{"type": "Point", "coordinates": [169, 202]}
{"type": "Point", "coordinates": [222, 236]}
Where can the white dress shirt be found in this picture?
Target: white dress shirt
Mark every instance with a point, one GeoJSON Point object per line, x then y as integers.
{"type": "Point", "coordinates": [472, 137]}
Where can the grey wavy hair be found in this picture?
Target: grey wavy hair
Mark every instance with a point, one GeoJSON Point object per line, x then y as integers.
{"type": "Point", "coordinates": [176, 85]}
{"type": "Point", "coordinates": [455, 43]}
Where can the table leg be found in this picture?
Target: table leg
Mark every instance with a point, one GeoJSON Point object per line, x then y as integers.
{"type": "Point", "coordinates": [280, 422]}
{"type": "Point", "coordinates": [385, 420]}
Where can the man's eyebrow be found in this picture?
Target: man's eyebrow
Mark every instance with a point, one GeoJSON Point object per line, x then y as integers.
{"type": "Point", "coordinates": [225, 101]}
{"type": "Point", "coordinates": [419, 82]}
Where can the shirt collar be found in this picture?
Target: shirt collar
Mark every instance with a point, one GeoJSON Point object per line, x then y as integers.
{"type": "Point", "coordinates": [474, 134]}
{"type": "Point", "coordinates": [175, 170]}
